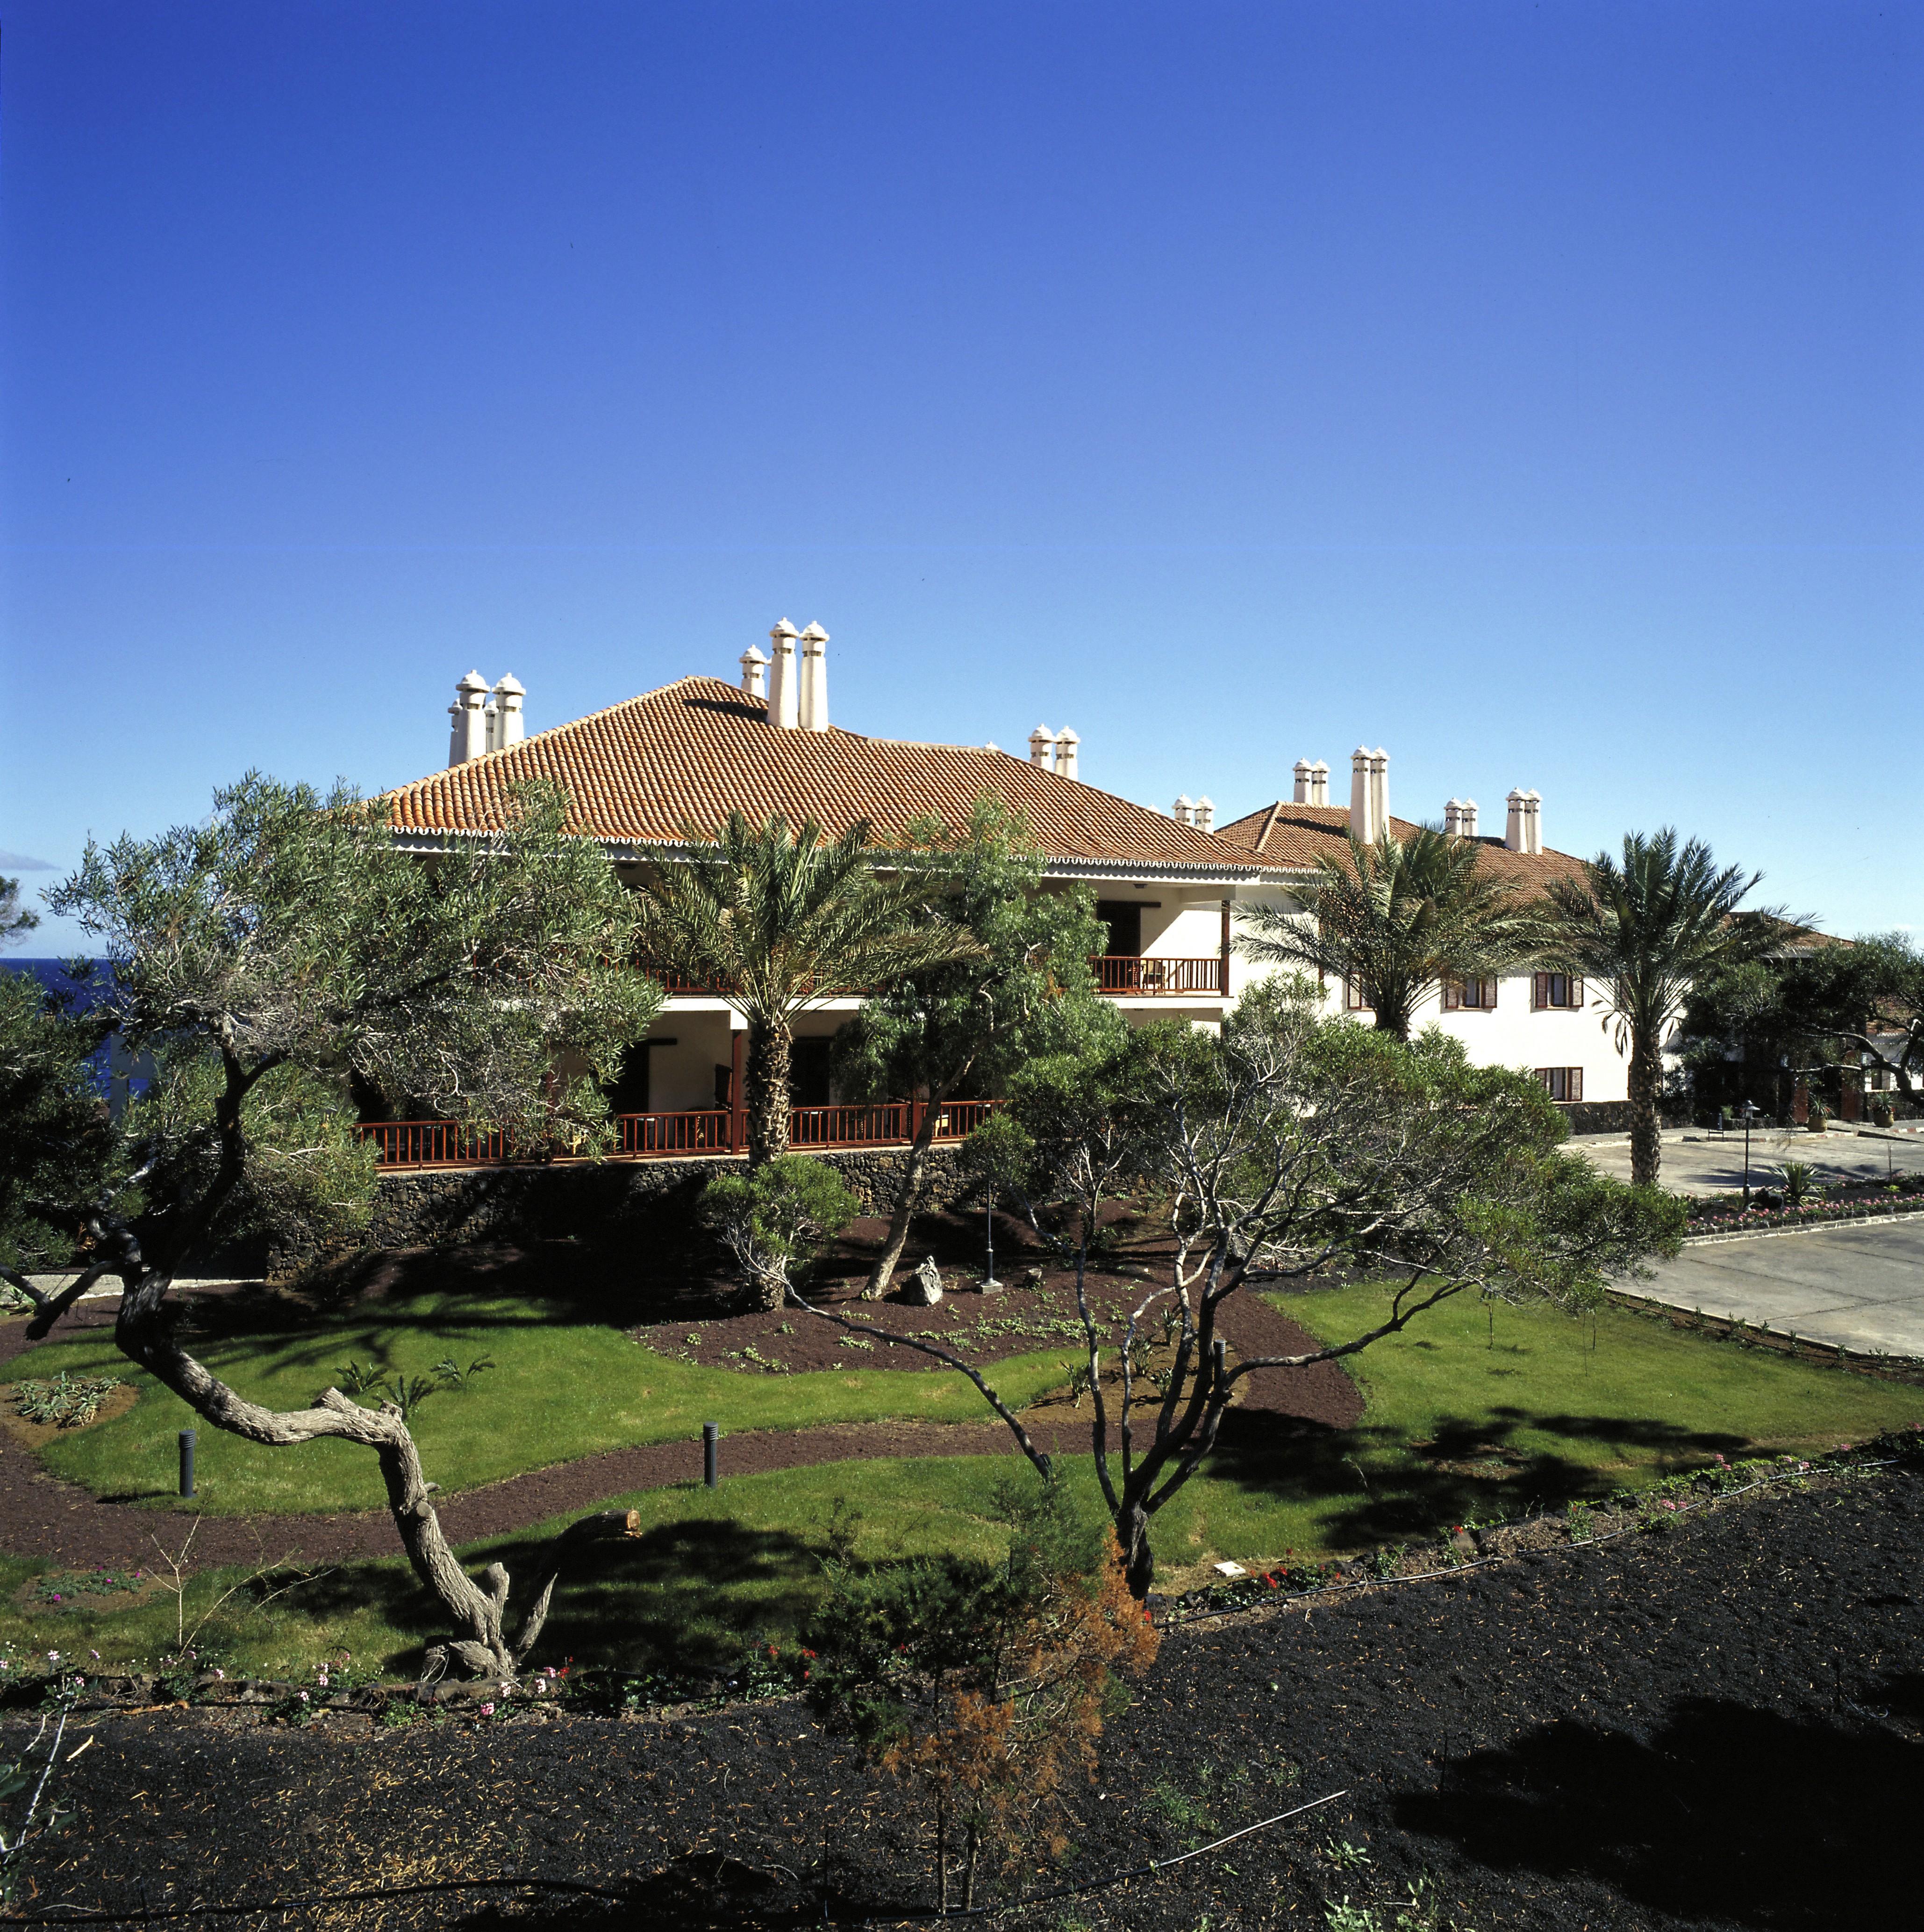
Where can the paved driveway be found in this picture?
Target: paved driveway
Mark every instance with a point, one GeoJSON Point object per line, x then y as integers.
{"type": "Point", "coordinates": [1861, 1284]}
{"type": "Point", "coordinates": [1697, 1163]}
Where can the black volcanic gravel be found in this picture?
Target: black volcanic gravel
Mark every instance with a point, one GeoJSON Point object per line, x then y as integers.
{"type": "Point", "coordinates": [1719, 1727]}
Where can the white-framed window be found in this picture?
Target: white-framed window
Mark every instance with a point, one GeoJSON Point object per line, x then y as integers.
{"type": "Point", "coordinates": [1556, 992]}
{"type": "Point", "coordinates": [1470, 996]}
{"type": "Point", "coordinates": [1562, 1083]}
{"type": "Point", "coordinates": [1353, 1001]}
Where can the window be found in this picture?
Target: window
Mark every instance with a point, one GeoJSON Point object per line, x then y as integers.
{"type": "Point", "coordinates": [1556, 991]}
{"type": "Point", "coordinates": [1562, 1083]}
{"type": "Point", "coordinates": [1353, 1001]}
{"type": "Point", "coordinates": [1470, 996]}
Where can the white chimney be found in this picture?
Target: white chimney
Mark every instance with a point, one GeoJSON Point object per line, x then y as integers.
{"type": "Point", "coordinates": [1306, 774]}
{"type": "Point", "coordinates": [1319, 783]}
{"type": "Point", "coordinates": [1364, 799]}
{"type": "Point", "coordinates": [1065, 742]}
{"type": "Point", "coordinates": [1042, 747]}
{"type": "Point", "coordinates": [1380, 783]}
{"type": "Point", "coordinates": [815, 679]}
{"type": "Point", "coordinates": [1533, 822]}
{"type": "Point", "coordinates": [1460, 818]}
{"type": "Point", "coordinates": [754, 668]}
{"type": "Point", "coordinates": [785, 697]}
{"type": "Point", "coordinates": [1184, 810]}
{"type": "Point", "coordinates": [1516, 831]}
{"type": "Point", "coordinates": [505, 726]}
{"type": "Point", "coordinates": [1205, 815]}
{"type": "Point", "coordinates": [468, 738]}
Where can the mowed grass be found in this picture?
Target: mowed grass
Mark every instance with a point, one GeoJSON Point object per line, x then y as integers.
{"type": "Point", "coordinates": [1453, 1428]}
{"type": "Point", "coordinates": [560, 1390]}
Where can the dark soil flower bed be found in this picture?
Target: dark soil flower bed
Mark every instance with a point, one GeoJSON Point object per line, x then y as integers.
{"type": "Point", "coordinates": [1726, 1214]}
{"type": "Point", "coordinates": [1712, 1724]}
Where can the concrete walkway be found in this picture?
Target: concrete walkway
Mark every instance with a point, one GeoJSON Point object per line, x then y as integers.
{"type": "Point", "coordinates": [1697, 1161]}
{"type": "Point", "coordinates": [1858, 1283]}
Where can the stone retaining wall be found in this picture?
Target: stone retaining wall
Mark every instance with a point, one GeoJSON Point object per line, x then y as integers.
{"type": "Point", "coordinates": [1596, 1117]}
{"type": "Point", "coordinates": [644, 1208]}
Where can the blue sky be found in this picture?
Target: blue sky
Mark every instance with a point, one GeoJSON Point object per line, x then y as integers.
{"type": "Point", "coordinates": [1532, 390]}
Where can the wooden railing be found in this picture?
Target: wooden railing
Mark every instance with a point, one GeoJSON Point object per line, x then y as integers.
{"type": "Point", "coordinates": [1117, 973]}
{"type": "Point", "coordinates": [434, 1144]}
{"type": "Point", "coordinates": [1120, 973]}
{"type": "Point", "coordinates": [399, 1144]}
{"type": "Point", "coordinates": [636, 1135]}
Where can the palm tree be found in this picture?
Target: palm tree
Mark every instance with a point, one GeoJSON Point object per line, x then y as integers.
{"type": "Point", "coordinates": [1396, 919]}
{"type": "Point", "coordinates": [776, 921]}
{"type": "Point", "coordinates": [1645, 930]}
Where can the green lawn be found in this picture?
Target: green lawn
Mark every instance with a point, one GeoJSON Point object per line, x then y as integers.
{"type": "Point", "coordinates": [560, 1390]}
{"type": "Point", "coordinates": [1453, 1428]}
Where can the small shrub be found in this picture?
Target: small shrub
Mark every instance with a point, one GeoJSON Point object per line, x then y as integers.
{"type": "Point", "coordinates": [779, 1214]}
{"type": "Point", "coordinates": [67, 1401]}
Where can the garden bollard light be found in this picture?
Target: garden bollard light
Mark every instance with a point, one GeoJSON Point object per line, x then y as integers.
{"type": "Point", "coordinates": [186, 1462]}
{"type": "Point", "coordinates": [709, 1432]}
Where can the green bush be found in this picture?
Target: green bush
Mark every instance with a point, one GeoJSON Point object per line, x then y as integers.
{"type": "Point", "coordinates": [776, 1215]}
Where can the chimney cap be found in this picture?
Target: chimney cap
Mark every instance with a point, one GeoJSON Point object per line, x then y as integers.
{"type": "Point", "coordinates": [754, 654]}
{"type": "Point", "coordinates": [814, 634]}
{"type": "Point", "coordinates": [783, 628]}
{"type": "Point", "coordinates": [512, 686]}
{"type": "Point", "coordinates": [474, 681]}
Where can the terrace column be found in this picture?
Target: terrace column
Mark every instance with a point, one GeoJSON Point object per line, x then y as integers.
{"type": "Point", "coordinates": [737, 1092]}
{"type": "Point", "coordinates": [1224, 988]}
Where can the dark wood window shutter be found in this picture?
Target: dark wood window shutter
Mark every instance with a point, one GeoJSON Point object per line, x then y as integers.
{"type": "Point", "coordinates": [1539, 991]}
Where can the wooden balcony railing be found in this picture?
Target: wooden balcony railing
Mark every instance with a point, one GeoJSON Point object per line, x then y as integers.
{"type": "Point", "coordinates": [1120, 975]}
{"type": "Point", "coordinates": [412, 1144]}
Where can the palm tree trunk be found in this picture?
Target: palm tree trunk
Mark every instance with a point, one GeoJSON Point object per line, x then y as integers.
{"type": "Point", "coordinates": [914, 1182]}
{"type": "Point", "coordinates": [766, 1078]}
{"type": "Point", "coordinates": [1646, 1074]}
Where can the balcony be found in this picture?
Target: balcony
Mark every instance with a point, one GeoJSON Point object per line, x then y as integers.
{"type": "Point", "coordinates": [408, 1144]}
{"type": "Point", "coordinates": [1121, 975]}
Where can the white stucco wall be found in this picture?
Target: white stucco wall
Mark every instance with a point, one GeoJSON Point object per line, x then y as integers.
{"type": "Point", "coordinates": [1512, 1035]}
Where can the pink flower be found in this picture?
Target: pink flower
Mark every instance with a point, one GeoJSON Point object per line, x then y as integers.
{"type": "Point", "coordinates": [488, 1710]}
{"type": "Point", "coordinates": [304, 1697]}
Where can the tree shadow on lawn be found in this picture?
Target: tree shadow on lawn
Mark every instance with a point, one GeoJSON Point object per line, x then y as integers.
{"type": "Point", "coordinates": [1725, 1814]}
{"type": "Point", "coordinates": [688, 1596]}
{"type": "Point", "coordinates": [1393, 1487]}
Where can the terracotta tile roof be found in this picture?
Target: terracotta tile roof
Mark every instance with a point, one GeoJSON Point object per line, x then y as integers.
{"type": "Point", "coordinates": [1293, 837]}
{"type": "Point", "coordinates": [688, 753]}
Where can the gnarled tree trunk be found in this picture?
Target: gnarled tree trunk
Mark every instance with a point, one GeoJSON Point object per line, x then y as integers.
{"type": "Point", "coordinates": [914, 1182]}
{"type": "Point", "coordinates": [478, 1610]}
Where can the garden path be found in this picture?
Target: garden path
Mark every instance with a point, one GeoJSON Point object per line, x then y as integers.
{"type": "Point", "coordinates": [42, 1516]}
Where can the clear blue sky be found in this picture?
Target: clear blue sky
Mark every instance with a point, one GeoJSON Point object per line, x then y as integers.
{"type": "Point", "coordinates": [1533, 390]}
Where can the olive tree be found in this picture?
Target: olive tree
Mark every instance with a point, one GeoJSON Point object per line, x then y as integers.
{"type": "Point", "coordinates": [271, 957]}
{"type": "Point", "coordinates": [1288, 1143]}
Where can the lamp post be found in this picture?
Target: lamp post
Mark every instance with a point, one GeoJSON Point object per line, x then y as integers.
{"type": "Point", "coordinates": [989, 1280]}
{"type": "Point", "coordinates": [1750, 1115]}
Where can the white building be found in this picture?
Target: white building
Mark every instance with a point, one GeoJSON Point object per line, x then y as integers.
{"type": "Point", "coordinates": [1167, 885]}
